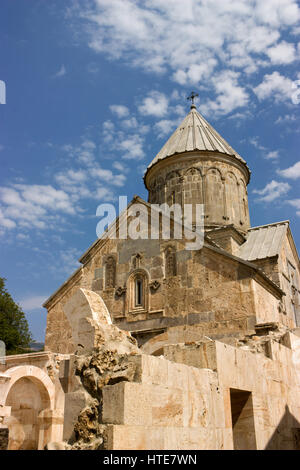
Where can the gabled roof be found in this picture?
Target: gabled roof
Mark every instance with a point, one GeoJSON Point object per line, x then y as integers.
{"type": "Point", "coordinates": [264, 241]}
{"type": "Point", "coordinates": [195, 134]}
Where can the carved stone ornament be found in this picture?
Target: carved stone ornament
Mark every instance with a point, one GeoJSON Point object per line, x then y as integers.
{"type": "Point", "coordinates": [120, 291]}
{"type": "Point", "coordinates": [154, 285]}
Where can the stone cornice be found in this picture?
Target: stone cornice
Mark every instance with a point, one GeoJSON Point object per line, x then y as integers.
{"type": "Point", "coordinates": [201, 156]}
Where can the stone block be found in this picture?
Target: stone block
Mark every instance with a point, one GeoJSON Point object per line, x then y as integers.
{"type": "Point", "coordinates": [74, 403]}
{"type": "Point", "coordinates": [167, 406]}
{"type": "Point", "coordinates": [126, 437]}
{"type": "Point", "coordinates": [201, 379]}
{"type": "Point", "coordinates": [113, 404]}
{"type": "Point", "coordinates": [197, 410]}
{"type": "Point", "coordinates": [127, 403]}
{"type": "Point", "coordinates": [150, 369]}
{"type": "Point", "coordinates": [177, 375]}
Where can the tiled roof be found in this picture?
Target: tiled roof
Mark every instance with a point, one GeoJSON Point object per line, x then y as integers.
{"type": "Point", "coordinates": [263, 242]}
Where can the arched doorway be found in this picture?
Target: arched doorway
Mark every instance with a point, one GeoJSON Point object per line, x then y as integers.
{"type": "Point", "coordinates": [29, 394]}
{"type": "Point", "coordinates": [27, 398]}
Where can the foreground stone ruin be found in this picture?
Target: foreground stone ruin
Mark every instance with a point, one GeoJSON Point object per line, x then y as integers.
{"type": "Point", "coordinates": [197, 395]}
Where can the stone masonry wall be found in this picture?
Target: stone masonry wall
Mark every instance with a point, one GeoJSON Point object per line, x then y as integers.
{"type": "Point", "coordinates": [176, 406]}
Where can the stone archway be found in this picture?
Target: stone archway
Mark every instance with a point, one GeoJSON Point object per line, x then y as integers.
{"type": "Point", "coordinates": [29, 394]}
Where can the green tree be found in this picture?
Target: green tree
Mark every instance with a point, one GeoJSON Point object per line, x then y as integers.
{"type": "Point", "coordinates": [14, 330]}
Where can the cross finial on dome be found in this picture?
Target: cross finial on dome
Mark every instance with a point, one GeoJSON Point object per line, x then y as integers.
{"type": "Point", "coordinates": [191, 98]}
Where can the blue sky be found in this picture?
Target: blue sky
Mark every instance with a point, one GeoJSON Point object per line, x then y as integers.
{"type": "Point", "coordinates": [93, 90]}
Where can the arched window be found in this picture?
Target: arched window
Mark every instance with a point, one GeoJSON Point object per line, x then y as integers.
{"type": "Point", "coordinates": [138, 292]}
{"type": "Point", "coordinates": [170, 262]}
{"type": "Point", "coordinates": [110, 272]}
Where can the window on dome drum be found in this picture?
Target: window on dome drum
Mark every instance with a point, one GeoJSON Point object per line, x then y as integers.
{"type": "Point", "coordinates": [173, 198]}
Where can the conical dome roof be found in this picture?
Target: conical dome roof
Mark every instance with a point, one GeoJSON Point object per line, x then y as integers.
{"type": "Point", "coordinates": [195, 134]}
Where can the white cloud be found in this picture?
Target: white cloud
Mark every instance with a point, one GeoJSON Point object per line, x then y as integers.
{"type": "Point", "coordinates": [5, 222]}
{"type": "Point", "coordinates": [165, 127]}
{"type": "Point", "coordinates": [64, 262]}
{"type": "Point", "coordinates": [61, 72]}
{"type": "Point", "coordinates": [83, 153]}
{"type": "Point", "coordinates": [82, 178]}
{"type": "Point", "coordinates": [267, 154]}
{"type": "Point", "coordinates": [292, 172]}
{"type": "Point", "coordinates": [195, 72]}
{"type": "Point", "coordinates": [33, 303]}
{"type": "Point", "coordinates": [120, 167]}
{"type": "Point", "coordinates": [130, 123]}
{"type": "Point", "coordinates": [191, 40]}
{"type": "Point", "coordinates": [87, 180]}
{"type": "Point", "coordinates": [272, 191]}
{"type": "Point", "coordinates": [255, 142]}
{"type": "Point", "coordinates": [131, 147]}
{"type": "Point", "coordinates": [283, 53]}
{"type": "Point", "coordinates": [276, 12]}
{"type": "Point", "coordinates": [276, 86]}
{"type": "Point", "coordinates": [155, 104]}
{"type": "Point", "coordinates": [230, 95]}
{"type": "Point", "coordinates": [120, 110]}
{"type": "Point", "coordinates": [295, 203]}
{"type": "Point", "coordinates": [126, 138]}
{"type": "Point", "coordinates": [32, 206]}
{"type": "Point", "coordinates": [273, 155]}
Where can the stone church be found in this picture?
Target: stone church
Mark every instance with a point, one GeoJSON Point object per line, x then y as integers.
{"type": "Point", "coordinates": [150, 345]}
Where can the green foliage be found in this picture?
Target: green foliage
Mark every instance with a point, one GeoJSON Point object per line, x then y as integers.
{"type": "Point", "coordinates": [14, 330]}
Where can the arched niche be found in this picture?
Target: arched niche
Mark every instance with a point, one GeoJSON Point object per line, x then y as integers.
{"type": "Point", "coordinates": [110, 272]}
{"type": "Point", "coordinates": [232, 199]}
{"type": "Point", "coordinates": [192, 186]}
{"type": "Point", "coordinates": [243, 201]}
{"type": "Point", "coordinates": [214, 210]}
{"type": "Point", "coordinates": [170, 262]}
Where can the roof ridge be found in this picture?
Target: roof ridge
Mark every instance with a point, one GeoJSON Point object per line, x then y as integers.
{"type": "Point", "coordinates": [269, 225]}
{"type": "Point", "coordinates": [194, 133]}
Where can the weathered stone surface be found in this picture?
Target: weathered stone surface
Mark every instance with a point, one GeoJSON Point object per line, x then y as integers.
{"type": "Point", "coordinates": [4, 438]}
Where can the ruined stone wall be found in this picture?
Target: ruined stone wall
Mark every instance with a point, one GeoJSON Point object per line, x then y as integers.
{"type": "Point", "coordinates": [200, 394]}
{"type": "Point", "coordinates": [188, 402]}
{"type": "Point", "coordinates": [202, 179]}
